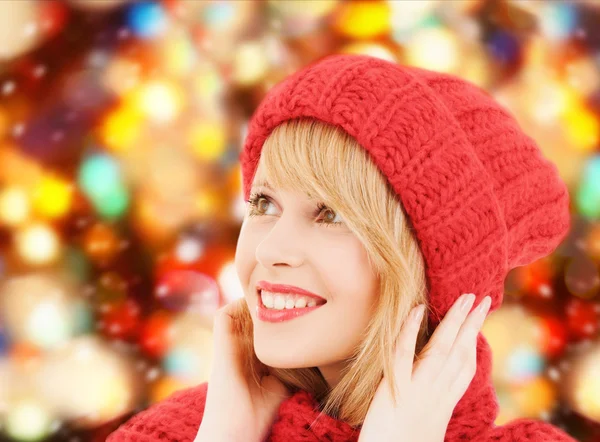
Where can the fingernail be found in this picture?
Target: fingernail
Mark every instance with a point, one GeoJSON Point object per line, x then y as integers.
{"type": "Point", "coordinates": [484, 305]}
{"type": "Point", "coordinates": [418, 315]}
{"type": "Point", "coordinates": [467, 301]}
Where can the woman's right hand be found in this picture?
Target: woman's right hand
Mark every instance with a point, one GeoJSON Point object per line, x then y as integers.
{"type": "Point", "coordinates": [236, 408]}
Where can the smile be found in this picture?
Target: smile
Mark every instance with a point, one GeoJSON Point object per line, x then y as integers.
{"type": "Point", "coordinates": [279, 307]}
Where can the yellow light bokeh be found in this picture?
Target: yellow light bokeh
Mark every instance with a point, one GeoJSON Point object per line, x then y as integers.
{"type": "Point", "coordinates": [14, 206]}
{"type": "Point", "coordinates": [52, 197]}
{"type": "Point", "coordinates": [364, 19]}
{"type": "Point", "coordinates": [535, 398]}
{"type": "Point", "coordinates": [208, 140]}
{"type": "Point", "coordinates": [159, 100]}
{"type": "Point", "coordinates": [122, 128]}
{"type": "Point", "coordinates": [433, 48]}
{"type": "Point", "coordinates": [250, 63]}
{"type": "Point", "coordinates": [37, 243]}
{"type": "Point", "coordinates": [582, 127]}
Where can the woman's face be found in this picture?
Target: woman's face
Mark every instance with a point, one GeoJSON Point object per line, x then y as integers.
{"type": "Point", "coordinates": [290, 240]}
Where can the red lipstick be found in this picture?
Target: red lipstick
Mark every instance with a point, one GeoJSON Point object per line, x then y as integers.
{"type": "Point", "coordinates": [286, 288]}
{"type": "Point", "coordinates": [274, 315]}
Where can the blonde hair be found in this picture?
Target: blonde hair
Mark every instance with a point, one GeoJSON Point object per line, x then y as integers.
{"type": "Point", "coordinates": [324, 161]}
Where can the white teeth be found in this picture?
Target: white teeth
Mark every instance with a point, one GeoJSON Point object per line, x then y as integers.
{"type": "Point", "coordinates": [267, 299]}
{"type": "Point", "coordinates": [279, 301]}
{"type": "Point", "coordinates": [289, 302]}
{"type": "Point", "coordinates": [300, 303]}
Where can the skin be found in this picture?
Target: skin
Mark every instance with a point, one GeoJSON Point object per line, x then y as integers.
{"type": "Point", "coordinates": [236, 410]}
{"type": "Point", "coordinates": [288, 241]}
{"type": "Point", "coordinates": [446, 364]}
{"type": "Point", "coordinates": [290, 247]}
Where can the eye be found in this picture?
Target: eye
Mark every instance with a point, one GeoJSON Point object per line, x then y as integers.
{"type": "Point", "coordinates": [258, 202]}
{"type": "Point", "coordinates": [329, 217]}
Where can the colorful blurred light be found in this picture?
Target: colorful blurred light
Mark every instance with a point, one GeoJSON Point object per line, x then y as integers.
{"type": "Point", "coordinates": [433, 48]}
{"type": "Point", "coordinates": [524, 363]}
{"type": "Point", "coordinates": [581, 387]}
{"type": "Point", "coordinates": [536, 398]}
{"type": "Point", "coordinates": [100, 179]}
{"type": "Point", "coordinates": [28, 420]}
{"type": "Point", "coordinates": [582, 319]}
{"type": "Point", "coordinates": [121, 320]}
{"type": "Point", "coordinates": [184, 290]}
{"type": "Point", "coordinates": [39, 309]}
{"type": "Point", "coordinates": [159, 100]}
{"type": "Point", "coordinates": [513, 333]}
{"type": "Point", "coordinates": [191, 354]}
{"type": "Point", "coordinates": [156, 333]}
{"type": "Point", "coordinates": [582, 126]}
{"type": "Point", "coordinates": [147, 19]}
{"type": "Point", "coordinates": [552, 335]}
{"type": "Point", "coordinates": [208, 140]}
{"type": "Point", "coordinates": [406, 16]}
{"type": "Point", "coordinates": [20, 25]}
{"type": "Point", "coordinates": [98, 175]}
{"type": "Point", "coordinates": [250, 63]}
{"type": "Point", "coordinates": [178, 53]}
{"type": "Point", "coordinates": [587, 197]}
{"type": "Point", "coordinates": [88, 382]}
{"type": "Point", "coordinates": [165, 387]}
{"type": "Point", "coordinates": [121, 129]}
{"type": "Point", "coordinates": [189, 249]}
{"type": "Point", "coordinates": [363, 19]}
{"type": "Point", "coordinates": [558, 20]}
{"type": "Point", "coordinates": [52, 197]}
{"type": "Point", "coordinates": [37, 244]}
{"type": "Point", "coordinates": [14, 206]}
{"type": "Point", "coordinates": [299, 18]}
{"type": "Point", "coordinates": [101, 242]}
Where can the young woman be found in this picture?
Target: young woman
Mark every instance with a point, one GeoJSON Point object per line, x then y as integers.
{"type": "Point", "coordinates": [376, 193]}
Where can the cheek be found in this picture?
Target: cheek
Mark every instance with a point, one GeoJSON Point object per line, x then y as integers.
{"type": "Point", "coordinates": [245, 257]}
{"type": "Point", "coordinates": [347, 269]}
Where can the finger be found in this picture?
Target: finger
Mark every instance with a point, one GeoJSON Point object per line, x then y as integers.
{"type": "Point", "coordinates": [225, 340]}
{"type": "Point", "coordinates": [436, 351]}
{"type": "Point", "coordinates": [405, 347]}
{"type": "Point", "coordinates": [462, 361]}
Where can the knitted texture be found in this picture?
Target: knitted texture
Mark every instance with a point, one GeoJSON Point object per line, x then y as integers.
{"type": "Point", "coordinates": [477, 190]}
{"type": "Point", "coordinates": [479, 194]}
{"type": "Point", "coordinates": [177, 419]}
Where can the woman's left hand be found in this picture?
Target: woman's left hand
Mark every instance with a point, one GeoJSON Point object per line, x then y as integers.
{"type": "Point", "coordinates": [428, 389]}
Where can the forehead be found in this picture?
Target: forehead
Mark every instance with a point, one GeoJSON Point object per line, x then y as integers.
{"type": "Point", "coordinates": [262, 182]}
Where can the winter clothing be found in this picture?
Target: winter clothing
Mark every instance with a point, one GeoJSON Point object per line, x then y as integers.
{"type": "Point", "coordinates": [480, 195]}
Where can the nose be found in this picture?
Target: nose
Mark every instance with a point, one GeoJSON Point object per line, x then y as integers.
{"type": "Point", "coordinates": [282, 245]}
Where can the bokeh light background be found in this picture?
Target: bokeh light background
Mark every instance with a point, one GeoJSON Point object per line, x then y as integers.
{"type": "Point", "coordinates": [121, 123]}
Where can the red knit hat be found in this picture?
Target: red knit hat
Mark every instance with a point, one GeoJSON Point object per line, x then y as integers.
{"type": "Point", "coordinates": [481, 197]}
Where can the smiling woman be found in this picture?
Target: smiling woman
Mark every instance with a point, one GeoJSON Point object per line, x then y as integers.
{"type": "Point", "coordinates": [375, 187]}
{"type": "Point", "coordinates": [330, 223]}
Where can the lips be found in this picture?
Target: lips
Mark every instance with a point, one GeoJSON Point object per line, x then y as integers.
{"type": "Point", "coordinates": [287, 289]}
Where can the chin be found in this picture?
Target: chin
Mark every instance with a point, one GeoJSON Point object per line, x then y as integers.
{"type": "Point", "coordinates": [276, 358]}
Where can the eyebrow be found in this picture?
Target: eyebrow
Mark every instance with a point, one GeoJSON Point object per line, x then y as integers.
{"type": "Point", "coordinates": [264, 183]}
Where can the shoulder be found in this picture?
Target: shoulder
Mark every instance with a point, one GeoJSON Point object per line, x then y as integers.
{"type": "Point", "coordinates": [175, 418]}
